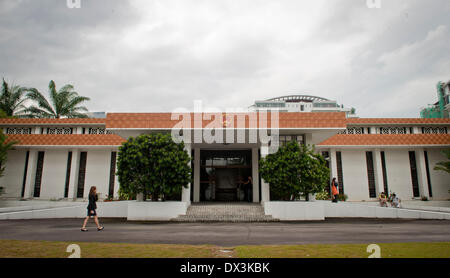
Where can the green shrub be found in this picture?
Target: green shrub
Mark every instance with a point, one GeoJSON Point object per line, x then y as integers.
{"type": "Point", "coordinates": [342, 197]}
{"type": "Point", "coordinates": [324, 195]}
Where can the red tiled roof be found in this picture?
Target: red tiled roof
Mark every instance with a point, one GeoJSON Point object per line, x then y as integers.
{"type": "Point", "coordinates": [286, 120]}
{"type": "Point", "coordinates": [386, 139]}
{"type": "Point", "coordinates": [396, 121]}
{"type": "Point", "coordinates": [50, 121]}
{"type": "Point", "coordinates": [66, 139]}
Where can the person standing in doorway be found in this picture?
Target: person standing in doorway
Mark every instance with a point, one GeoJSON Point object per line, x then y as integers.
{"type": "Point", "coordinates": [248, 185]}
{"type": "Point", "coordinates": [334, 190]}
{"type": "Point", "coordinates": [92, 206]}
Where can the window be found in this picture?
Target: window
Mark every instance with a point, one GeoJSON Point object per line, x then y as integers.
{"type": "Point", "coordinates": [353, 130]}
{"type": "Point", "coordinates": [81, 174]}
{"type": "Point", "coordinates": [414, 179]}
{"type": "Point", "coordinates": [430, 191]}
{"type": "Point", "coordinates": [339, 170]}
{"type": "Point", "coordinates": [383, 165]}
{"type": "Point", "coordinates": [371, 175]}
{"type": "Point", "coordinates": [434, 130]}
{"type": "Point", "coordinates": [27, 157]}
{"type": "Point", "coordinates": [393, 130]}
{"type": "Point", "coordinates": [69, 165]}
{"type": "Point", "coordinates": [38, 179]}
{"type": "Point", "coordinates": [112, 174]}
{"type": "Point", "coordinates": [99, 131]}
{"type": "Point", "coordinates": [18, 130]}
{"type": "Point", "coordinates": [62, 130]}
{"type": "Point", "coordinates": [284, 139]}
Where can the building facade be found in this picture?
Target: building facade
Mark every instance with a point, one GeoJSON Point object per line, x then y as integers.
{"type": "Point", "coordinates": [301, 103]}
{"type": "Point", "coordinates": [440, 109]}
{"type": "Point", "coordinates": [62, 158]}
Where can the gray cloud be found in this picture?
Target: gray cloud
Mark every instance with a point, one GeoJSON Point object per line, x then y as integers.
{"type": "Point", "coordinates": [159, 55]}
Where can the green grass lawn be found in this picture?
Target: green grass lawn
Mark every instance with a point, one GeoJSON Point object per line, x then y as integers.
{"type": "Point", "coordinates": [53, 249]}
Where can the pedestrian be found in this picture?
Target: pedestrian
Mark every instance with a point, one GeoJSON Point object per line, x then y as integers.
{"type": "Point", "coordinates": [395, 201]}
{"type": "Point", "coordinates": [383, 199]}
{"type": "Point", "coordinates": [334, 190]}
{"type": "Point", "coordinates": [248, 185]}
{"type": "Point", "coordinates": [92, 206]}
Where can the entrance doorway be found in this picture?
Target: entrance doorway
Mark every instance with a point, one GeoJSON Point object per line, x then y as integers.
{"type": "Point", "coordinates": [223, 175]}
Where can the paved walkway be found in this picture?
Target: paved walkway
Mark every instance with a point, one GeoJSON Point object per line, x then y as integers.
{"type": "Point", "coordinates": [231, 234]}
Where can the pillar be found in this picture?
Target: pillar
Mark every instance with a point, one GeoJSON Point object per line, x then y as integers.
{"type": "Point", "coordinates": [196, 175]}
{"type": "Point", "coordinates": [378, 169]}
{"type": "Point", "coordinates": [422, 173]}
{"type": "Point", "coordinates": [255, 174]}
{"type": "Point", "coordinates": [265, 189]}
{"type": "Point", "coordinates": [31, 174]}
{"type": "Point", "coordinates": [73, 181]}
{"type": "Point", "coordinates": [186, 193]}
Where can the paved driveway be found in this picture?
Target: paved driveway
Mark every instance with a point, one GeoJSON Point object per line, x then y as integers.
{"type": "Point", "coordinates": [229, 234]}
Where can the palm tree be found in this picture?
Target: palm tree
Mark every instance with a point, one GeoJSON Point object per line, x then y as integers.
{"type": "Point", "coordinates": [4, 148]}
{"type": "Point", "coordinates": [64, 103]}
{"type": "Point", "coordinates": [12, 100]}
{"type": "Point", "coordinates": [444, 165]}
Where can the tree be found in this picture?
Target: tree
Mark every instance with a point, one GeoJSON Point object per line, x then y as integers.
{"type": "Point", "coordinates": [65, 102]}
{"type": "Point", "coordinates": [12, 100]}
{"type": "Point", "coordinates": [153, 164]}
{"type": "Point", "coordinates": [293, 170]}
{"type": "Point", "coordinates": [444, 165]}
{"type": "Point", "coordinates": [4, 148]}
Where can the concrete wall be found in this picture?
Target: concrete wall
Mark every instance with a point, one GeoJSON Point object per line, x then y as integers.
{"type": "Point", "coordinates": [440, 180]}
{"type": "Point", "coordinates": [54, 174]}
{"type": "Point", "coordinates": [156, 211]}
{"type": "Point", "coordinates": [294, 211]}
{"type": "Point", "coordinates": [399, 173]}
{"type": "Point", "coordinates": [354, 168]}
{"type": "Point", "coordinates": [13, 176]}
{"type": "Point", "coordinates": [97, 172]}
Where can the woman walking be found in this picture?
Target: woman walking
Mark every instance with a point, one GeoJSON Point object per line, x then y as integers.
{"type": "Point", "coordinates": [334, 190]}
{"type": "Point", "coordinates": [92, 206]}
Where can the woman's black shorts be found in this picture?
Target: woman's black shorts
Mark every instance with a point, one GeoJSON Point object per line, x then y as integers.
{"type": "Point", "coordinates": [89, 212]}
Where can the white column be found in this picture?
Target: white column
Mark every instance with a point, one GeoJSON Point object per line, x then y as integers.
{"type": "Point", "coordinates": [265, 189]}
{"type": "Point", "coordinates": [378, 169]}
{"type": "Point", "coordinates": [74, 168]}
{"type": "Point", "coordinates": [186, 193]}
{"type": "Point", "coordinates": [196, 175]}
{"type": "Point", "coordinates": [116, 178]}
{"type": "Point", "coordinates": [422, 173]}
{"type": "Point", "coordinates": [31, 174]}
{"type": "Point", "coordinates": [255, 175]}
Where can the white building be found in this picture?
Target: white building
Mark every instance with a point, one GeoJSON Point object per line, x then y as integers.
{"type": "Point", "coordinates": [300, 103]}
{"type": "Point", "coordinates": [62, 158]}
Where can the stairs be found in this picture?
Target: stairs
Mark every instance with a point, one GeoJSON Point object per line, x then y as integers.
{"type": "Point", "coordinates": [225, 212]}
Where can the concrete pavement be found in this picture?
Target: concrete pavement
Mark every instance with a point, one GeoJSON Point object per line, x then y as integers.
{"type": "Point", "coordinates": [231, 234]}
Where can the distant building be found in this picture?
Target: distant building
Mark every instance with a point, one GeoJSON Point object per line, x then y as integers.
{"type": "Point", "coordinates": [441, 109]}
{"type": "Point", "coordinates": [301, 103]}
{"type": "Point", "coordinates": [96, 115]}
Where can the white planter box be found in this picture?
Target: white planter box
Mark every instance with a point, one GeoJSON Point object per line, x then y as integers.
{"type": "Point", "coordinates": [295, 211]}
{"type": "Point", "coordinates": [156, 211]}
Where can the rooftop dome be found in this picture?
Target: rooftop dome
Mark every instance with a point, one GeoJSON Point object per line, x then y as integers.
{"type": "Point", "coordinates": [298, 98]}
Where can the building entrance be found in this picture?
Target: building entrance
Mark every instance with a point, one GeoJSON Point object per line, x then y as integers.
{"type": "Point", "coordinates": [224, 175]}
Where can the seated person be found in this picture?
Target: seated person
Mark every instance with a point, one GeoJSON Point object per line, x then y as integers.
{"type": "Point", "coordinates": [383, 199]}
{"type": "Point", "coordinates": [395, 201]}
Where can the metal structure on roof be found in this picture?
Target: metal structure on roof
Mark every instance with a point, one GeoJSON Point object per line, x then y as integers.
{"type": "Point", "coordinates": [298, 98]}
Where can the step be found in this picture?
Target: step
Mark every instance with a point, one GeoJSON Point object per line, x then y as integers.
{"type": "Point", "coordinates": [225, 212]}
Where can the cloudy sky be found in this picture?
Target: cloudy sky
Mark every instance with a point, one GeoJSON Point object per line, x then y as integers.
{"type": "Point", "coordinates": [149, 56]}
